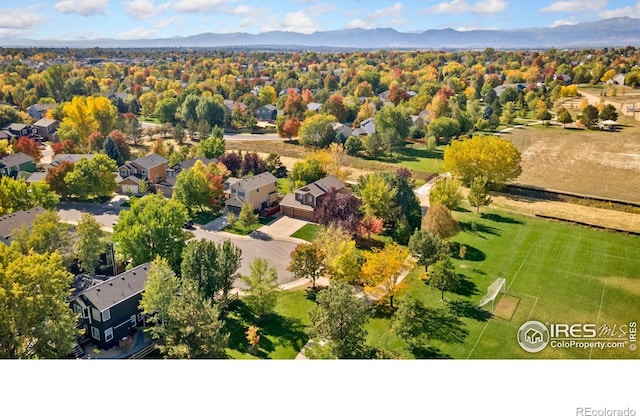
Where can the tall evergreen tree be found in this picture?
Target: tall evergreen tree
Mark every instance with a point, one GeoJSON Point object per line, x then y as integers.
{"type": "Point", "coordinates": [111, 149]}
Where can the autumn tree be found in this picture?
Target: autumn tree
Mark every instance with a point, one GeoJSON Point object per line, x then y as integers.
{"type": "Point", "coordinates": [608, 112]}
{"type": "Point", "coordinates": [213, 267]}
{"type": "Point", "coordinates": [446, 192]}
{"type": "Point", "coordinates": [478, 193]}
{"type": "Point", "coordinates": [443, 276]}
{"type": "Point", "coordinates": [445, 127]}
{"type": "Point", "coordinates": [37, 321]}
{"type": "Point", "coordinates": [294, 105]}
{"type": "Point", "coordinates": [341, 260]}
{"type": "Point", "coordinates": [92, 178]}
{"type": "Point", "coordinates": [151, 227]}
{"type": "Point", "coordinates": [84, 115]}
{"type": "Point", "coordinates": [335, 106]}
{"type": "Point", "coordinates": [382, 269]}
{"type": "Point", "coordinates": [564, 116]}
{"type": "Point", "coordinates": [339, 207]}
{"type": "Point", "coordinates": [496, 158]}
{"type": "Point", "coordinates": [290, 128]}
{"type": "Point", "coordinates": [307, 262]}
{"type": "Point", "coordinates": [267, 95]}
{"type": "Point", "coordinates": [392, 126]}
{"type": "Point", "coordinates": [306, 171]}
{"type": "Point", "coordinates": [439, 221]}
{"type": "Point", "coordinates": [17, 195]}
{"type": "Point", "coordinates": [252, 164]}
{"type": "Point", "coordinates": [90, 243]}
{"type": "Point", "coordinates": [247, 216]}
{"type": "Point", "coordinates": [426, 247]}
{"type": "Point", "coordinates": [370, 225]}
{"type": "Point", "coordinates": [340, 318]}
{"type": "Point", "coordinates": [589, 116]}
{"type": "Point", "coordinates": [317, 130]}
{"type": "Point", "coordinates": [262, 293]}
{"type": "Point", "coordinates": [28, 147]}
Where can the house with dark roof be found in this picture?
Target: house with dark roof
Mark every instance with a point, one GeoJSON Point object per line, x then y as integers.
{"type": "Point", "coordinates": [67, 157]}
{"type": "Point", "coordinates": [151, 168]}
{"type": "Point", "coordinates": [47, 128]}
{"type": "Point", "coordinates": [10, 165]}
{"type": "Point", "coordinates": [108, 310]}
{"type": "Point", "coordinates": [166, 185]}
{"type": "Point", "coordinates": [261, 191]}
{"type": "Point", "coordinates": [267, 112]}
{"type": "Point", "coordinates": [22, 130]}
{"type": "Point", "coordinates": [11, 223]}
{"type": "Point", "coordinates": [302, 202]}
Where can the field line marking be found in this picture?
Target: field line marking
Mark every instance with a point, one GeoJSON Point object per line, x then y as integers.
{"type": "Point", "coordinates": [478, 340]}
{"type": "Point", "coordinates": [522, 264]}
{"type": "Point", "coordinates": [532, 308]}
{"type": "Point", "coordinates": [604, 287]}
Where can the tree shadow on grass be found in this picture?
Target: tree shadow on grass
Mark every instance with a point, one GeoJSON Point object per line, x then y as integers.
{"type": "Point", "coordinates": [237, 319]}
{"type": "Point", "coordinates": [428, 352]}
{"type": "Point", "coordinates": [444, 327]}
{"type": "Point", "coordinates": [290, 331]}
{"type": "Point", "coordinates": [465, 309]}
{"type": "Point", "coordinates": [472, 254]}
{"type": "Point", "coordinates": [478, 229]}
{"type": "Point", "coordinates": [465, 287]}
{"type": "Point", "coordinates": [460, 209]}
{"type": "Point", "coordinates": [501, 219]}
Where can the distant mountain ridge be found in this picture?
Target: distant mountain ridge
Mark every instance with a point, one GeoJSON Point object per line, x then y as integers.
{"type": "Point", "coordinates": [614, 32]}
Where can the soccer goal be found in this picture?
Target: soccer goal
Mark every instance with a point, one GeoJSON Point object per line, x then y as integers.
{"type": "Point", "coordinates": [492, 292]}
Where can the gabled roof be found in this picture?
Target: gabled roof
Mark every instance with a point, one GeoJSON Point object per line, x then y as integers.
{"type": "Point", "coordinates": [322, 186]}
{"type": "Point", "coordinates": [314, 106]}
{"type": "Point", "coordinates": [69, 157]}
{"type": "Point", "coordinates": [45, 122]}
{"type": "Point", "coordinates": [116, 289]}
{"type": "Point", "coordinates": [189, 163]}
{"type": "Point", "coordinates": [17, 159]}
{"type": "Point", "coordinates": [255, 182]}
{"type": "Point", "coordinates": [268, 107]}
{"type": "Point", "coordinates": [368, 126]}
{"type": "Point", "coordinates": [36, 177]}
{"type": "Point", "coordinates": [10, 223]}
{"type": "Point", "coordinates": [150, 161]}
{"type": "Point", "coordinates": [41, 107]}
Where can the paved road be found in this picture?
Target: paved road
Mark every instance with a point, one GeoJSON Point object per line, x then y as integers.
{"type": "Point", "coordinates": [276, 251]}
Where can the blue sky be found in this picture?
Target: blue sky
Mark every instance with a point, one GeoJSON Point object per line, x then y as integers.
{"type": "Point", "coordinates": [136, 19]}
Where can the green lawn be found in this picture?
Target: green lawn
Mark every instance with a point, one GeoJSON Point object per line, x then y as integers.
{"type": "Point", "coordinates": [237, 228]}
{"type": "Point", "coordinates": [284, 186]}
{"type": "Point", "coordinates": [417, 157]}
{"type": "Point", "coordinates": [556, 273]}
{"type": "Point", "coordinates": [204, 217]}
{"type": "Point", "coordinates": [307, 232]}
{"type": "Point", "coordinates": [283, 334]}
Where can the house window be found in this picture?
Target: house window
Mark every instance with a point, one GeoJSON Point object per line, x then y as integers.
{"type": "Point", "coordinates": [85, 313]}
{"type": "Point", "coordinates": [108, 334]}
{"type": "Point", "coordinates": [95, 314]}
{"type": "Point", "coordinates": [124, 173]}
{"type": "Point", "coordinates": [143, 171]}
{"type": "Point", "coordinates": [257, 190]}
{"type": "Point", "coordinates": [95, 333]}
{"type": "Point", "coordinates": [241, 194]}
{"type": "Point", "coordinates": [77, 309]}
{"type": "Point", "coordinates": [106, 315]}
{"type": "Point", "coordinates": [309, 198]}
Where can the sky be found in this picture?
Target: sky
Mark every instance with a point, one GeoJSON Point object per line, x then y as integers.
{"type": "Point", "coordinates": [143, 19]}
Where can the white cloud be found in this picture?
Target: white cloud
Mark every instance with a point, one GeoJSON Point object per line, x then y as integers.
{"type": "Point", "coordinates": [391, 11]}
{"type": "Point", "coordinates": [629, 11]}
{"type": "Point", "coordinates": [144, 9]}
{"type": "Point", "coordinates": [138, 33]}
{"type": "Point", "coordinates": [14, 20]}
{"type": "Point", "coordinates": [298, 22]}
{"type": "Point", "coordinates": [563, 22]}
{"type": "Point", "coordinates": [320, 9]}
{"type": "Point", "coordinates": [359, 24]}
{"type": "Point", "coordinates": [82, 7]}
{"type": "Point", "coordinates": [172, 21]}
{"type": "Point", "coordinates": [574, 6]}
{"type": "Point", "coordinates": [199, 6]}
{"type": "Point", "coordinates": [462, 7]}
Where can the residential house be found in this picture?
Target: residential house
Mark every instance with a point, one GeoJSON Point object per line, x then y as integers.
{"type": "Point", "coordinates": [13, 222]}
{"type": "Point", "coordinates": [267, 112]}
{"type": "Point", "coordinates": [314, 107]}
{"type": "Point", "coordinates": [285, 91]}
{"type": "Point", "coordinates": [501, 88]}
{"type": "Point", "coordinates": [166, 185]}
{"type": "Point", "coordinates": [47, 128]}
{"type": "Point", "coordinates": [109, 309]}
{"type": "Point", "coordinates": [17, 130]}
{"type": "Point", "coordinates": [67, 157]}
{"type": "Point", "coordinates": [10, 165]}
{"type": "Point", "coordinates": [303, 202]}
{"type": "Point", "coordinates": [563, 78]}
{"type": "Point", "coordinates": [261, 191]}
{"type": "Point", "coordinates": [367, 128]}
{"type": "Point", "coordinates": [38, 111]}
{"type": "Point", "coordinates": [152, 168]}
{"type": "Point", "coordinates": [617, 80]}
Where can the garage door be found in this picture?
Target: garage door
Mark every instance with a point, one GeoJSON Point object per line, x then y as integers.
{"type": "Point", "coordinates": [130, 189]}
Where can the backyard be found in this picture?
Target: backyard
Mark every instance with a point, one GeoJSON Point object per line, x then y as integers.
{"type": "Point", "coordinates": [554, 272]}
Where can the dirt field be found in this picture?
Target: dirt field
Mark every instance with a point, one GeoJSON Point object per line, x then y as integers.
{"type": "Point", "coordinates": [598, 163]}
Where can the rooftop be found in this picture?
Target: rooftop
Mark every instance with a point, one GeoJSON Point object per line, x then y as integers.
{"type": "Point", "coordinates": [10, 223]}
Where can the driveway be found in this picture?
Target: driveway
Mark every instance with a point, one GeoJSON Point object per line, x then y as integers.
{"type": "Point", "coordinates": [282, 228]}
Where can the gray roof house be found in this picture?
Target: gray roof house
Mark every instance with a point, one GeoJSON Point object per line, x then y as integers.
{"type": "Point", "coordinates": [10, 165]}
{"type": "Point", "coordinates": [38, 111]}
{"type": "Point", "coordinates": [267, 112]}
{"type": "Point", "coordinates": [10, 223]}
{"type": "Point", "coordinates": [47, 128]}
{"type": "Point", "coordinates": [261, 191]}
{"type": "Point", "coordinates": [68, 157]}
{"type": "Point", "coordinates": [303, 201]}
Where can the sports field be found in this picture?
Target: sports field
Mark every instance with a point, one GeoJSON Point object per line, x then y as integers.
{"type": "Point", "coordinates": [555, 273]}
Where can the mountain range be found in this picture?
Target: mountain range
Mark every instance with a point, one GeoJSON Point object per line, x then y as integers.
{"type": "Point", "coordinates": [616, 32]}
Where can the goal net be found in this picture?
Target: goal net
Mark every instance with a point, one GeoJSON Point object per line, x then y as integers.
{"type": "Point", "coordinates": [492, 292]}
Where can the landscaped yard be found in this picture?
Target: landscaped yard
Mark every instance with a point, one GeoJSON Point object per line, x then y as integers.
{"type": "Point", "coordinates": [204, 217]}
{"type": "Point", "coordinates": [555, 273]}
{"type": "Point", "coordinates": [307, 232]}
{"type": "Point", "coordinates": [237, 228]}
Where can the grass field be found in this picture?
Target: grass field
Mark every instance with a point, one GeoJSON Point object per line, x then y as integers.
{"type": "Point", "coordinates": [306, 232]}
{"type": "Point", "coordinates": [591, 162]}
{"type": "Point", "coordinates": [556, 273]}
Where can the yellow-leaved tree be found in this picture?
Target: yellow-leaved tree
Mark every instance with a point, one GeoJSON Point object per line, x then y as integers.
{"type": "Point", "coordinates": [85, 115]}
{"type": "Point", "coordinates": [382, 269]}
